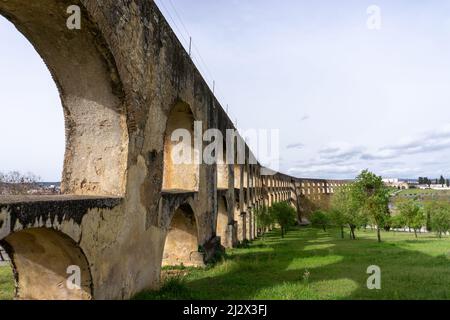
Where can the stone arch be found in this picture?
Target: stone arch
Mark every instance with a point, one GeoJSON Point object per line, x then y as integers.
{"type": "Point", "coordinates": [43, 259]}
{"type": "Point", "coordinates": [223, 221]}
{"type": "Point", "coordinates": [239, 218]}
{"type": "Point", "coordinates": [249, 223]}
{"type": "Point", "coordinates": [181, 168]}
{"type": "Point", "coordinates": [246, 176]}
{"type": "Point", "coordinates": [223, 169]}
{"type": "Point", "coordinates": [237, 176]}
{"type": "Point", "coordinates": [181, 241]}
{"type": "Point", "coordinates": [90, 88]}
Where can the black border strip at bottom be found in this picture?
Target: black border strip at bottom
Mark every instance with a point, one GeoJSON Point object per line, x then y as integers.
{"type": "Point", "coordinates": [222, 309]}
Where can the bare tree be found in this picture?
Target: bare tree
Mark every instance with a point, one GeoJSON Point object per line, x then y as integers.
{"type": "Point", "coordinates": [16, 183]}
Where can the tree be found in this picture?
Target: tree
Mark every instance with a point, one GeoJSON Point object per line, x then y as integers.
{"type": "Point", "coordinates": [320, 219]}
{"type": "Point", "coordinates": [373, 198]}
{"type": "Point", "coordinates": [397, 222]}
{"type": "Point", "coordinates": [439, 215]}
{"type": "Point", "coordinates": [412, 215]}
{"type": "Point", "coordinates": [283, 214]}
{"type": "Point", "coordinates": [337, 218]}
{"type": "Point", "coordinates": [16, 183]}
{"type": "Point", "coordinates": [264, 219]}
{"type": "Point", "coordinates": [347, 209]}
{"type": "Point", "coordinates": [442, 180]}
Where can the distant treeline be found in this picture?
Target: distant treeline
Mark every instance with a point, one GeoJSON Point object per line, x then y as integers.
{"type": "Point", "coordinates": [441, 181]}
{"type": "Point", "coordinates": [17, 183]}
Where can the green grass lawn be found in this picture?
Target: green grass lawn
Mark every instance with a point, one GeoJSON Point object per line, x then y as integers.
{"type": "Point", "coordinates": [425, 192]}
{"type": "Point", "coordinates": [423, 196]}
{"type": "Point", "coordinates": [417, 191]}
{"type": "Point", "coordinates": [312, 264]}
{"type": "Point", "coordinates": [6, 283]}
{"type": "Point", "coordinates": [278, 269]}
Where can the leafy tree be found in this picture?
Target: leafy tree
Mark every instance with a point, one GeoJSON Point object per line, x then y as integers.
{"type": "Point", "coordinates": [412, 215]}
{"type": "Point", "coordinates": [439, 214]}
{"type": "Point", "coordinates": [373, 198]}
{"type": "Point", "coordinates": [283, 214]}
{"type": "Point", "coordinates": [442, 180]}
{"type": "Point", "coordinates": [347, 209]}
{"type": "Point", "coordinates": [320, 219]}
{"type": "Point", "coordinates": [337, 218]}
{"type": "Point", "coordinates": [397, 222]}
{"type": "Point", "coordinates": [264, 219]}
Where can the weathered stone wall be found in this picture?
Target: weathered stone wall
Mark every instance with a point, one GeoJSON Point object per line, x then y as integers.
{"type": "Point", "coordinates": [91, 92]}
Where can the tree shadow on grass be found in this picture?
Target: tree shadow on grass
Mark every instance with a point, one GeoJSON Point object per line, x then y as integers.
{"type": "Point", "coordinates": [299, 267]}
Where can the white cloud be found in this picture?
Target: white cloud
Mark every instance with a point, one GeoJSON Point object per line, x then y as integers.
{"type": "Point", "coordinates": [298, 145]}
{"type": "Point", "coordinates": [398, 172]}
{"type": "Point", "coordinates": [305, 117]}
{"type": "Point", "coordinates": [325, 171]}
{"type": "Point", "coordinates": [341, 151]}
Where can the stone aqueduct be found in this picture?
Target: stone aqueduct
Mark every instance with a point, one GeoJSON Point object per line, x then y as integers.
{"type": "Point", "coordinates": [125, 82]}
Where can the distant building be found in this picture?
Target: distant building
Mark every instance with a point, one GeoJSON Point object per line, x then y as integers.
{"type": "Point", "coordinates": [411, 182]}
{"type": "Point", "coordinates": [396, 183]}
{"type": "Point", "coordinates": [439, 187]}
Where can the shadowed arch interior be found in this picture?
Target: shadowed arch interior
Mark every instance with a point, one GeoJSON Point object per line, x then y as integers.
{"type": "Point", "coordinates": [181, 246]}
{"type": "Point", "coordinates": [223, 170]}
{"type": "Point", "coordinates": [43, 260]}
{"type": "Point", "coordinates": [181, 170]}
{"type": "Point", "coordinates": [223, 221]}
{"type": "Point", "coordinates": [90, 89]}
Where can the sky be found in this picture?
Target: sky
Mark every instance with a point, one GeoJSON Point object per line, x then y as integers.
{"type": "Point", "coordinates": [32, 137]}
{"type": "Point", "coordinates": [344, 97]}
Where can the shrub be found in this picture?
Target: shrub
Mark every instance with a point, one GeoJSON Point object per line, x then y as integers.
{"type": "Point", "coordinates": [283, 214]}
{"type": "Point", "coordinates": [320, 219]}
{"type": "Point", "coordinates": [397, 222]}
{"type": "Point", "coordinates": [264, 219]}
{"type": "Point", "coordinates": [439, 215]}
{"type": "Point", "coordinates": [412, 215]}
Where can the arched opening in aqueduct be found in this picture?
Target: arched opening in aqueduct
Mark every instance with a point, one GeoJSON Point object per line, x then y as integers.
{"type": "Point", "coordinates": [223, 221]}
{"type": "Point", "coordinates": [96, 138]}
{"type": "Point", "coordinates": [91, 93]}
{"type": "Point", "coordinates": [223, 169]}
{"type": "Point", "coordinates": [181, 245]}
{"type": "Point", "coordinates": [44, 261]}
{"type": "Point", "coordinates": [181, 159]}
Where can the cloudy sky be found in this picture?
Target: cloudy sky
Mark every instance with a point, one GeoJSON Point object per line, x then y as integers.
{"type": "Point", "coordinates": [344, 97]}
